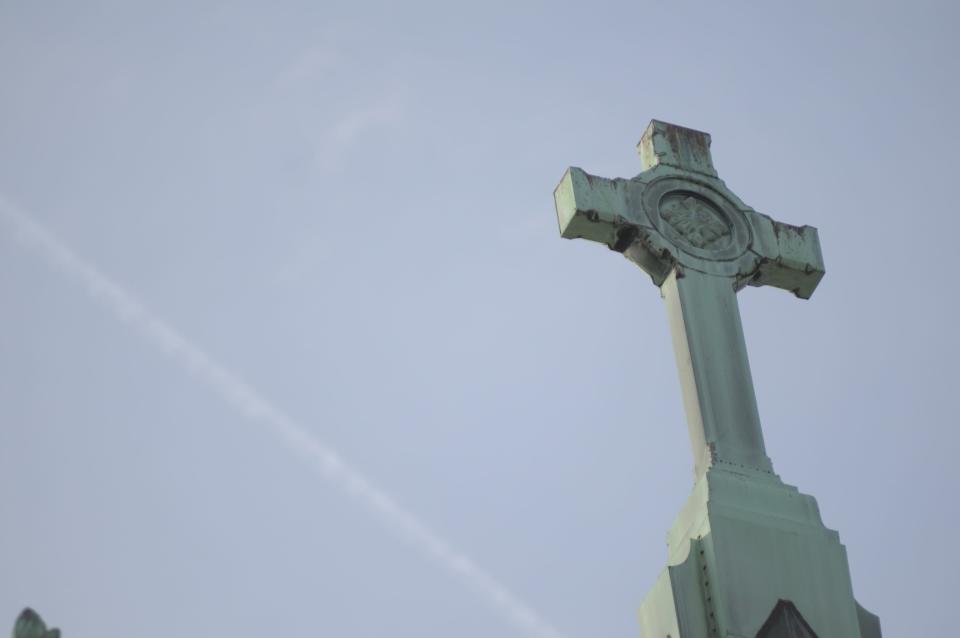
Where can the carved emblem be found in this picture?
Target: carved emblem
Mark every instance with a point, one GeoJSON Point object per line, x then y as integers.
{"type": "Point", "coordinates": [694, 219]}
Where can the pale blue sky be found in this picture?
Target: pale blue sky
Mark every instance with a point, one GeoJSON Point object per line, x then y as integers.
{"type": "Point", "coordinates": [349, 206]}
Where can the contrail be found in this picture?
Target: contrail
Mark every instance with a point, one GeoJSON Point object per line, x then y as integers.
{"type": "Point", "coordinates": [258, 409]}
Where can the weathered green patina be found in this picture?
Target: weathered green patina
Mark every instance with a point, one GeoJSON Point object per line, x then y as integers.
{"type": "Point", "coordinates": [30, 625]}
{"type": "Point", "coordinates": [700, 244]}
{"type": "Point", "coordinates": [748, 554]}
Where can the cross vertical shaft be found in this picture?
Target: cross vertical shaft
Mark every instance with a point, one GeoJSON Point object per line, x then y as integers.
{"type": "Point", "coordinates": [715, 380]}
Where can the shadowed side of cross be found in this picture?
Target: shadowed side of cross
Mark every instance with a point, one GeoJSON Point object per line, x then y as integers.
{"type": "Point", "coordinates": [700, 244]}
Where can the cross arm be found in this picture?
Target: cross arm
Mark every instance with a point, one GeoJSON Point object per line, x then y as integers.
{"type": "Point", "coordinates": [790, 256]}
{"type": "Point", "coordinates": [594, 208]}
{"type": "Point", "coordinates": [610, 212]}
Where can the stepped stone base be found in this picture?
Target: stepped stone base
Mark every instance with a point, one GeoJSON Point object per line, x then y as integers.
{"type": "Point", "coordinates": [749, 557]}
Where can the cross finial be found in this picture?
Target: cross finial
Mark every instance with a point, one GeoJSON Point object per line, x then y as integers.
{"type": "Point", "coordinates": [700, 244]}
{"type": "Point", "coordinates": [677, 146]}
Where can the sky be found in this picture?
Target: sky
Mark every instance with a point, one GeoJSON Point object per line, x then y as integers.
{"type": "Point", "coordinates": [291, 344]}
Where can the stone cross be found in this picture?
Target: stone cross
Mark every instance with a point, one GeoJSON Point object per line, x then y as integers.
{"type": "Point", "coordinates": [700, 244]}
